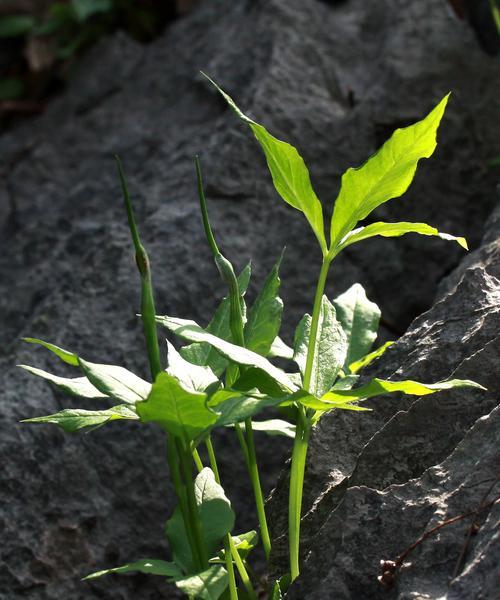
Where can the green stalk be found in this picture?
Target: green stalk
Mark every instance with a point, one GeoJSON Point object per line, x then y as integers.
{"type": "Point", "coordinates": [300, 445]}
{"type": "Point", "coordinates": [148, 312]}
{"type": "Point", "coordinates": [229, 547]}
{"type": "Point", "coordinates": [253, 470]}
{"type": "Point", "coordinates": [237, 331]}
{"type": "Point", "coordinates": [197, 460]}
{"type": "Point", "coordinates": [193, 516]}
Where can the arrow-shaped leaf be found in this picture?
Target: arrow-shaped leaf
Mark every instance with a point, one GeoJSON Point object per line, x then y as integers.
{"type": "Point", "coordinates": [116, 382]}
{"type": "Point", "coordinates": [289, 172]}
{"type": "Point", "coordinates": [192, 377]}
{"type": "Point", "coordinates": [369, 358]}
{"type": "Point", "coordinates": [395, 230]}
{"type": "Point", "coordinates": [208, 585]}
{"type": "Point", "coordinates": [76, 386]}
{"type": "Point", "coordinates": [68, 357]}
{"type": "Point", "coordinates": [149, 566]}
{"type": "Point", "coordinates": [387, 174]}
{"type": "Point", "coordinates": [73, 419]}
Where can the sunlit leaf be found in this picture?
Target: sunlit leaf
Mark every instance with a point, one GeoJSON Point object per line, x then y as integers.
{"type": "Point", "coordinates": [378, 387]}
{"type": "Point", "coordinates": [275, 427]}
{"type": "Point", "coordinates": [387, 174]}
{"type": "Point", "coordinates": [359, 318]}
{"type": "Point", "coordinates": [289, 172]}
{"type": "Point", "coordinates": [116, 382]}
{"type": "Point", "coordinates": [76, 386]}
{"type": "Point", "coordinates": [369, 358]}
{"type": "Point", "coordinates": [73, 419]}
{"type": "Point", "coordinates": [191, 377]}
{"type": "Point", "coordinates": [68, 357]}
{"type": "Point", "coordinates": [396, 230]}
{"type": "Point", "coordinates": [280, 350]}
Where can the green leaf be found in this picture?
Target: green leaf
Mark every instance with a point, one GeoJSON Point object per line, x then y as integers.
{"type": "Point", "coordinates": [264, 318]}
{"type": "Point", "coordinates": [289, 172]}
{"type": "Point", "coordinates": [345, 383]}
{"type": "Point", "coordinates": [395, 230]}
{"type": "Point", "coordinates": [239, 408]}
{"type": "Point", "coordinates": [204, 354]}
{"type": "Point", "coordinates": [116, 382]}
{"type": "Point", "coordinates": [322, 406]}
{"type": "Point", "coordinates": [149, 566]}
{"type": "Point", "coordinates": [181, 412]}
{"type": "Point", "coordinates": [77, 386]}
{"type": "Point", "coordinates": [359, 318]}
{"type": "Point", "coordinates": [216, 515]}
{"type": "Point", "coordinates": [73, 419]}
{"type": "Point", "coordinates": [68, 357]}
{"type": "Point", "coordinates": [216, 518]}
{"type": "Point", "coordinates": [369, 358]}
{"type": "Point", "coordinates": [84, 9]}
{"type": "Point", "coordinates": [191, 377]}
{"type": "Point", "coordinates": [208, 585]}
{"type": "Point", "coordinates": [330, 348]}
{"type": "Point", "coordinates": [275, 427]}
{"type": "Point", "coordinates": [11, 88]}
{"type": "Point", "coordinates": [15, 25]}
{"type": "Point", "coordinates": [191, 331]}
{"type": "Point", "coordinates": [387, 174]}
{"type": "Point", "coordinates": [280, 350]}
{"type": "Point", "coordinates": [255, 379]}
{"type": "Point", "coordinates": [244, 543]}
{"type": "Point", "coordinates": [378, 387]}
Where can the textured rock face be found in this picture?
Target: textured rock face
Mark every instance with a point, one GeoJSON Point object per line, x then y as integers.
{"type": "Point", "coordinates": [335, 80]}
{"type": "Point", "coordinates": [376, 484]}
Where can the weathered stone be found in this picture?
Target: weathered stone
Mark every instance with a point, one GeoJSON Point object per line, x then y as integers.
{"type": "Point", "coordinates": [334, 81]}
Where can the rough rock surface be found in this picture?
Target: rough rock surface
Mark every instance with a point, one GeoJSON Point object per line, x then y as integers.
{"type": "Point", "coordinates": [375, 484]}
{"type": "Point", "coordinates": [335, 80]}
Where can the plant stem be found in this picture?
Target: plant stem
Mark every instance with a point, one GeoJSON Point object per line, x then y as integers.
{"type": "Point", "coordinates": [229, 547]}
{"type": "Point", "coordinates": [253, 470]}
{"type": "Point", "coordinates": [197, 460]}
{"type": "Point", "coordinates": [299, 453]}
{"type": "Point", "coordinates": [194, 517]}
{"type": "Point", "coordinates": [320, 288]}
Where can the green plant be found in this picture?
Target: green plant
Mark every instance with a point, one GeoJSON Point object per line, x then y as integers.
{"type": "Point", "coordinates": [224, 375]}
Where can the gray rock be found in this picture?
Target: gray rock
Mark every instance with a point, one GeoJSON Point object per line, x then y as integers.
{"type": "Point", "coordinates": [333, 80]}
{"type": "Point", "coordinates": [375, 484]}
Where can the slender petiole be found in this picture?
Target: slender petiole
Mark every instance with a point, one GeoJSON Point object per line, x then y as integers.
{"type": "Point", "coordinates": [237, 331]}
{"type": "Point", "coordinates": [301, 441]}
{"type": "Point", "coordinates": [229, 547]}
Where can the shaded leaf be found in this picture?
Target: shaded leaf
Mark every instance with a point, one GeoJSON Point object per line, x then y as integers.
{"type": "Point", "coordinates": [239, 408]}
{"type": "Point", "coordinates": [149, 566]}
{"type": "Point", "coordinates": [275, 427]}
{"type": "Point", "coordinates": [208, 585]}
{"type": "Point", "coordinates": [84, 9]}
{"type": "Point", "coordinates": [76, 386]}
{"type": "Point", "coordinates": [204, 354]}
{"type": "Point", "coordinates": [73, 419]}
{"type": "Point", "coordinates": [289, 172]}
{"type": "Point", "coordinates": [181, 412]}
{"type": "Point", "coordinates": [264, 318]}
{"type": "Point", "coordinates": [369, 358]}
{"type": "Point", "coordinates": [15, 25]}
{"type": "Point", "coordinates": [359, 318]}
{"type": "Point", "coordinates": [116, 382]}
{"type": "Point", "coordinates": [330, 348]}
{"type": "Point", "coordinates": [387, 174]}
{"type": "Point", "coordinates": [191, 331]}
{"type": "Point", "coordinates": [68, 357]}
